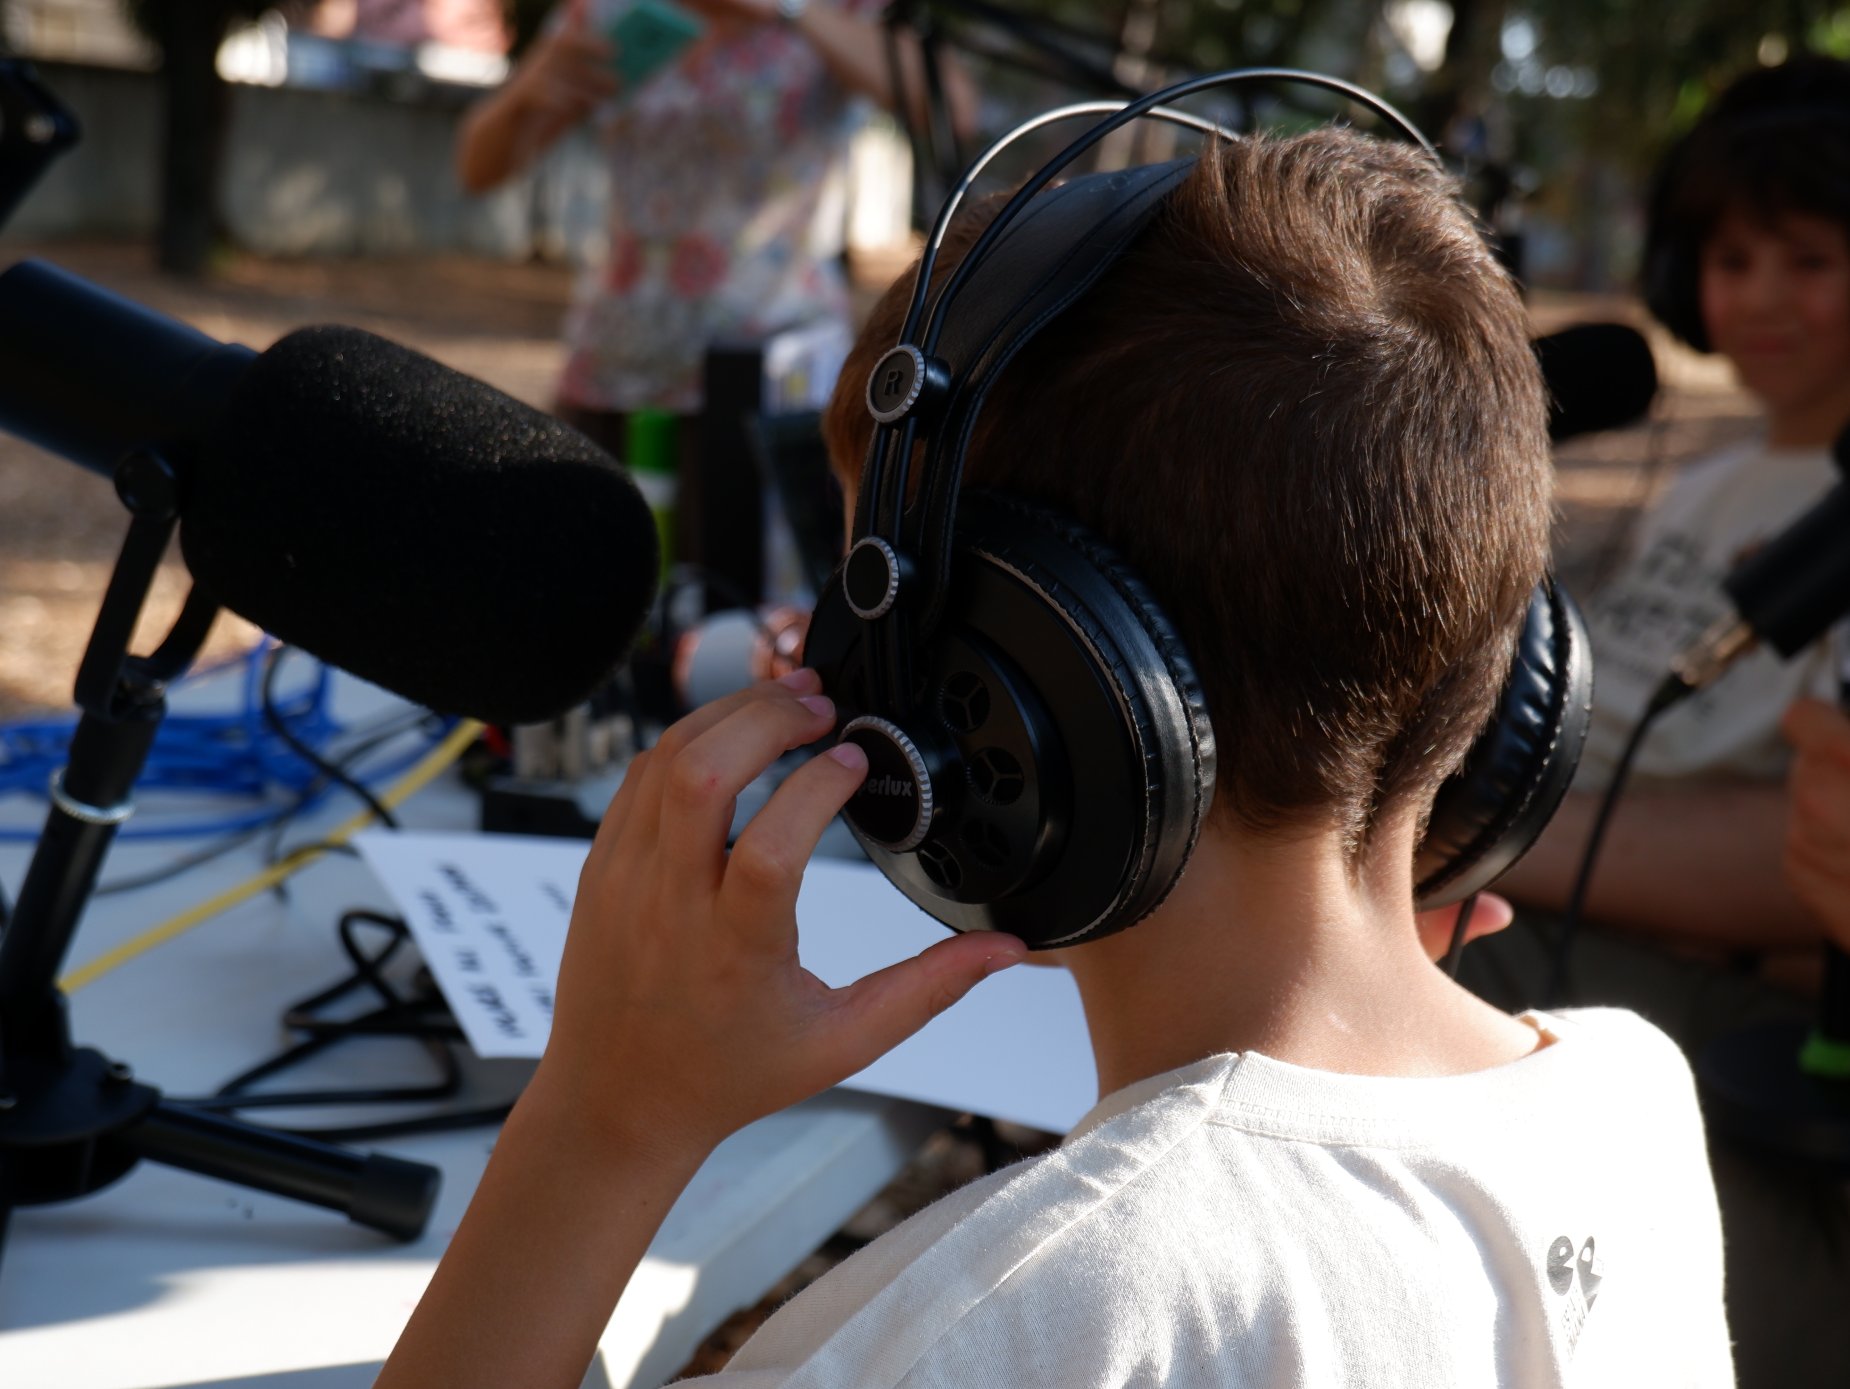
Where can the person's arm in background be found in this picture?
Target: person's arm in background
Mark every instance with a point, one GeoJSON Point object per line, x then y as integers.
{"type": "Point", "coordinates": [564, 76]}
{"type": "Point", "coordinates": [1817, 857]}
{"type": "Point", "coordinates": [853, 49]}
{"type": "Point", "coordinates": [1697, 864]}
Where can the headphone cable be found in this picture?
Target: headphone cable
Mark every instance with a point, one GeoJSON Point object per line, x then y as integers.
{"type": "Point", "coordinates": [1455, 952]}
{"type": "Point", "coordinates": [1671, 692]}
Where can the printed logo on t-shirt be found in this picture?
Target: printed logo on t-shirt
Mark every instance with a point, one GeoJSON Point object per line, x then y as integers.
{"type": "Point", "coordinates": [1575, 1274]}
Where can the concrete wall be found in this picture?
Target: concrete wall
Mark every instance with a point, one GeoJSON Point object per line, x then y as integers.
{"type": "Point", "coordinates": [308, 173]}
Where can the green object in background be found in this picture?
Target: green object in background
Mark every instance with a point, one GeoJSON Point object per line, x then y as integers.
{"type": "Point", "coordinates": [651, 450]}
{"type": "Point", "coordinates": [649, 36]}
{"type": "Point", "coordinates": [1825, 1057]}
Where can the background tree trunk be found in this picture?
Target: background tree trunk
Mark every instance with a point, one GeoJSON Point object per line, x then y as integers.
{"type": "Point", "coordinates": [197, 104]}
{"type": "Point", "coordinates": [1472, 47]}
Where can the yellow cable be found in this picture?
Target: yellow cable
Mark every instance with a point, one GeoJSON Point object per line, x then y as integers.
{"type": "Point", "coordinates": [413, 781]}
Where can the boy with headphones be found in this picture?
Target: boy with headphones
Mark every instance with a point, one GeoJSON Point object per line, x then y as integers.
{"type": "Point", "coordinates": [1294, 427]}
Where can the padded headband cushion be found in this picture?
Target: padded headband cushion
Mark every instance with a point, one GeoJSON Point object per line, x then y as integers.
{"type": "Point", "coordinates": [1043, 262]}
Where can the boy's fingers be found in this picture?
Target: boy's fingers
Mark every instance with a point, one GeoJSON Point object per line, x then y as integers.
{"type": "Point", "coordinates": [684, 730]}
{"type": "Point", "coordinates": [765, 868]}
{"type": "Point", "coordinates": [622, 805]}
{"type": "Point", "coordinates": [700, 781]}
{"type": "Point", "coordinates": [682, 733]}
{"type": "Point", "coordinates": [877, 1013]}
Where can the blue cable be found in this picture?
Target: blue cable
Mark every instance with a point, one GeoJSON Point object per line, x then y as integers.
{"type": "Point", "coordinates": [231, 754]}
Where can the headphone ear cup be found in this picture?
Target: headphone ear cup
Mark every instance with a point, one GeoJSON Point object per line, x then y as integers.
{"type": "Point", "coordinates": [1489, 812]}
{"type": "Point", "coordinates": [1058, 722]}
{"type": "Point", "coordinates": [1132, 644]}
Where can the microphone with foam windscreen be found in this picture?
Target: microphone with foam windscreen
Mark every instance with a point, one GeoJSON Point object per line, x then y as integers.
{"type": "Point", "coordinates": [394, 517]}
{"type": "Point", "coordinates": [1599, 376]}
{"type": "Point", "coordinates": [1786, 594]}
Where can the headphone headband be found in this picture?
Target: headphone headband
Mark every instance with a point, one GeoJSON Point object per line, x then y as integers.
{"type": "Point", "coordinates": [914, 384]}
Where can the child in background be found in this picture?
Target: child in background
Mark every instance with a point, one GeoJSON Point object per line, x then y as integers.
{"type": "Point", "coordinates": [1748, 255]}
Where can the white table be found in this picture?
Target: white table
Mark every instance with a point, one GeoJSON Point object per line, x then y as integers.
{"type": "Point", "coordinates": [170, 1279]}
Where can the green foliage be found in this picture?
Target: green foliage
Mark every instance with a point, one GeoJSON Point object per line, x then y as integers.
{"type": "Point", "coordinates": [1656, 63]}
{"type": "Point", "coordinates": [1832, 35]}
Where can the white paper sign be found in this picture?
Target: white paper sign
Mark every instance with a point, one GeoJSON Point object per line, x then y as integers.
{"type": "Point", "coordinates": [490, 913]}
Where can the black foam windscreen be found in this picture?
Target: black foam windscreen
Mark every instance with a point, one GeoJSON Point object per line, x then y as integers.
{"type": "Point", "coordinates": [1599, 376]}
{"type": "Point", "coordinates": [418, 528]}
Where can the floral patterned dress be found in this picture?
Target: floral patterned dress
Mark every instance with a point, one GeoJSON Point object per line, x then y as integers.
{"type": "Point", "coordinates": [727, 208]}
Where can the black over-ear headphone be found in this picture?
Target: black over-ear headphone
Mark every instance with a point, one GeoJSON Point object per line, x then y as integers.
{"type": "Point", "coordinates": [1040, 754]}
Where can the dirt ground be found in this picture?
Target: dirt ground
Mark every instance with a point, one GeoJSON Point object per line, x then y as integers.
{"type": "Point", "coordinates": [60, 526]}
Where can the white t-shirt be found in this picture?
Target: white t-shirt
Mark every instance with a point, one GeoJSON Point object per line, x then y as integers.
{"type": "Point", "coordinates": [1669, 593]}
{"type": "Point", "coordinates": [1245, 1222]}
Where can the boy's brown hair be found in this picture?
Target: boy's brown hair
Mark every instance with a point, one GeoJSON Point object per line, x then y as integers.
{"type": "Point", "coordinates": [1305, 409]}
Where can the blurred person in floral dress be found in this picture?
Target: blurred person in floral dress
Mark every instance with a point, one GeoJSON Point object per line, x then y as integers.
{"type": "Point", "coordinates": [728, 172]}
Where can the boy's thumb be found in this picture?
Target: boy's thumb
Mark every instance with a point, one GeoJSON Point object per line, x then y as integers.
{"type": "Point", "coordinates": [889, 1005]}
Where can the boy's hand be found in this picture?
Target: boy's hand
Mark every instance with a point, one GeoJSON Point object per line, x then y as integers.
{"type": "Point", "coordinates": [1817, 859]}
{"type": "Point", "coordinates": [681, 1003]}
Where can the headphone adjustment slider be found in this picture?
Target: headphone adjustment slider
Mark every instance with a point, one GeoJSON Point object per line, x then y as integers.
{"type": "Point", "coordinates": [904, 383]}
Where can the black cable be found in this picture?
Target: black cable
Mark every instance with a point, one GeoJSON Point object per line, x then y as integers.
{"type": "Point", "coordinates": [1672, 692]}
{"type": "Point", "coordinates": [218, 848]}
{"type": "Point", "coordinates": [389, 729]}
{"type": "Point", "coordinates": [396, 1016]}
{"type": "Point", "coordinates": [371, 738]}
{"type": "Point", "coordinates": [1455, 952]}
{"type": "Point", "coordinates": [424, 1018]}
{"type": "Point", "coordinates": [274, 721]}
{"type": "Point", "coordinates": [273, 855]}
{"type": "Point", "coordinates": [398, 1128]}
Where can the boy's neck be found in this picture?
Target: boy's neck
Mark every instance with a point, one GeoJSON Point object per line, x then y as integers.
{"type": "Point", "coordinates": [1278, 948]}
